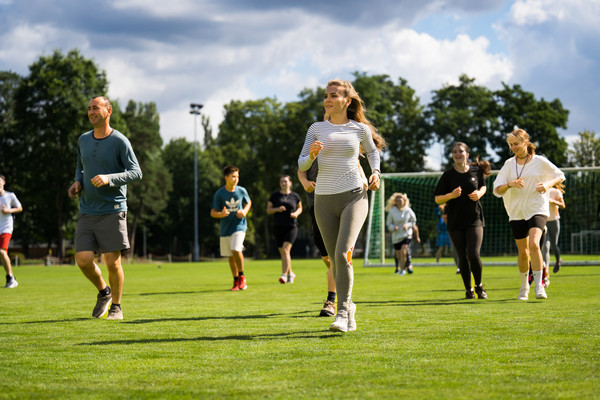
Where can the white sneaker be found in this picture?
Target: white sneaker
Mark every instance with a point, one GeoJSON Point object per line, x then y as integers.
{"type": "Point", "coordinates": [12, 284]}
{"type": "Point", "coordinates": [340, 324]}
{"type": "Point", "coordinates": [351, 321]}
{"type": "Point", "coordinates": [523, 293]}
{"type": "Point", "coordinates": [283, 278]}
{"type": "Point", "coordinates": [540, 293]}
{"type": "Point", "coordinates": [291, 277]}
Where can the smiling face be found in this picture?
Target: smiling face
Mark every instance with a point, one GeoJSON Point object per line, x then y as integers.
{"type": "Point", "coordinates": [517, 145]}
{"type": "Point", "coordinates": [99, 112]}
{"type": "Point", "coordinates": [460, 155]}
{"type": "Point", "coordinates": [335, 102]}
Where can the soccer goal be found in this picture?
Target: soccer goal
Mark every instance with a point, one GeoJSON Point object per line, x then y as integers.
{"type": "Point", "coordinates": [578, 219]}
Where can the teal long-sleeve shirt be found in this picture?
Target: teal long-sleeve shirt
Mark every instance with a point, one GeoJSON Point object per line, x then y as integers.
{"type": "Point", "coordinates": [112, 156]}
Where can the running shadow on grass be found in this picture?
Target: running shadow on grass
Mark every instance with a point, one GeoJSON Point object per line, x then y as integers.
{"type": "Point", "coordinates": [322, 334]}
{"type": "Point", "coordinates": [432, 302]}
{"type": "Point", "coordinates": [209, 318]}
{"type": "Point", "coordinates": [176, 293]}
{"type": "Point", "coordinates": [50, 321]}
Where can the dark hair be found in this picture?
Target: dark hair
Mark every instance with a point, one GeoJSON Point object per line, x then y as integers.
{"type": "Point", "coordinates": [483, 165]}
{"type": "Point", "coordinates": [230, 169]}
{"type": "Point", "coordinates": [286, 176]}
{"type": "Point", "coordinates": [106, 101]}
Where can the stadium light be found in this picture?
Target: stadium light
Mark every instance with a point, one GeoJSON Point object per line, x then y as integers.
{"type": "Point", "coordinates": [195, 111]}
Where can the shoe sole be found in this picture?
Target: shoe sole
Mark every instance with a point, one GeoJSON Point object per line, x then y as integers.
{"type": "Point", "coordinates": [12, 286]}
{"type": "Point", "coordinates": [282, 281]}
{"type": "Point", "coordinates": [336, 328]}
{"type": "Point", "coordinates": [325, 313]}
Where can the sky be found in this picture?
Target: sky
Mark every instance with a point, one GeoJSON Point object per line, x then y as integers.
{"type": "Point", "coordinates": [178, 52]}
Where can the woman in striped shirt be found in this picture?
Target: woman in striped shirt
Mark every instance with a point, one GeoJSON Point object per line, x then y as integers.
{"type": "Point", "coordinates": [341, 204]}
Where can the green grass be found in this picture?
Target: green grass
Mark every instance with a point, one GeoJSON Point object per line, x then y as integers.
{"type": "Point", "coordinates": [185, 336]}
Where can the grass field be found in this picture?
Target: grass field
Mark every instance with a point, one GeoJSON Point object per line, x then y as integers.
{"type": "Point", "coordinates": [186, 336]}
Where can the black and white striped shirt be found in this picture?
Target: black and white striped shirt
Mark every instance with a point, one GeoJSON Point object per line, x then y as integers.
{"type": "Point", "coordinates": [338, 160]}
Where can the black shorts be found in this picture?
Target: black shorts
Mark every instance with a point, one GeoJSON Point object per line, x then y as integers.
{"type": "Point", "coordinates": [521, 227]}
{"type": "Point", "coordinates": [285, 234]}
{"type": "Point", "coordinates": [405, 241]}
{"type": "Point", "coordinates": [316, 233]}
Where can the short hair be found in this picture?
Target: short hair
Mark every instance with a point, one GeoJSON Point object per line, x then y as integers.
{"type": "Point", "coordinates": [286, 176]}
{"type": "Point", "coordinates": [230, 169]}
{"type": "Point", "coordinates": [106, 101]}
{"type": "Point", "coordinates": [3, 178]}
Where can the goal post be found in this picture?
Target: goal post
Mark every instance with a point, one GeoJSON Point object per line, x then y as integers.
{"type": "Point", "coordinates": [579, 220]}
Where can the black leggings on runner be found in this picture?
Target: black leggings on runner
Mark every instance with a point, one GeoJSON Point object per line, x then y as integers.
{"type": "Point", "coordinates": [467, 244]}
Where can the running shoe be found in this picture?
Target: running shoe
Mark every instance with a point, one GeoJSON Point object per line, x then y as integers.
{"type": "Point", "coordinates": [540, 293]}
{"type": "Point", "coordinates": [12, 283]}
{"type": "Point", "coordinates": [102, 304]}
{"type": "Point", "coordinates": [283, 278]}
{"type": "Point", "coordinates": [242, 282]}
{"type": "Point", "coordinates": [351, 320]}
{"type": "Point", "coordinates": [236, 284]}
{"type": "Point", "coordinates": [340, 324]}
{"type": "Point", "coordinates": [328, 309]}
{"type": "Point", "coordinates": [557, 266]}
{"type": "Point", "coordinates": [523, 293]}
{"type": "Point", "coordinates": [481, 294]}
{"type": "Point", "coordinates": [291, 277]}
{"type": "Point", "coordinates": [469, 294]}
{"type": "Point", "coordinates": [410, 269]}
{"type": "Point", "coordinates": [115, 312]}
{"type": "Point", "coordinates": [402, 273]}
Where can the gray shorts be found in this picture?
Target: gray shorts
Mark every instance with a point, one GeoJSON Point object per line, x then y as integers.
{"type": "Point", "coordinates": [101, 233]}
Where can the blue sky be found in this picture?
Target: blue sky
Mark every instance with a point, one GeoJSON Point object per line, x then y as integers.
{"type": "Point", "coordinates": [214, 51]}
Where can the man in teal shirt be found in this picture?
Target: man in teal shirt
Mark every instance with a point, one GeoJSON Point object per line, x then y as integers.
{"type": "Point", "coordinates": [105, 164]}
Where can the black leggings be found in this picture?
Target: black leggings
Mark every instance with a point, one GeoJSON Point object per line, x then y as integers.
{"type": "Point", "coordinates": [467, 244]}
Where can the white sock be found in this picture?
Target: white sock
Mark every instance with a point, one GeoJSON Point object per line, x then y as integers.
{"type": "Point", "coordinates": [537, 278]}
{"type": "Point", "coordinates": [524, 279]}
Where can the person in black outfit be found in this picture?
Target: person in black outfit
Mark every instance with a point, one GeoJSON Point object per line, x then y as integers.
{"type": "Point", "coordinates": [286, 206]}
{"type": "Point", "coordinates": [461, 187]}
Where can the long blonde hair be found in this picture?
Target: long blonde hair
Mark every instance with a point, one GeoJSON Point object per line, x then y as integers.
{"type": "Point", "coordinates": [356, 109]}
{"type": "Point", "coordinates": [392, 201]}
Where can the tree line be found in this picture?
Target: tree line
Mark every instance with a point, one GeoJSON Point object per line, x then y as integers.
{"type": "Point", "coordinates": [42, 115]}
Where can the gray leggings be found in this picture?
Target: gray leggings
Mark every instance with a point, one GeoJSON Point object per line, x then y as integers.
{"type": "Point", "coordinates": [340, 218]}
{"type": "Point", "coordinates": [551, 241]}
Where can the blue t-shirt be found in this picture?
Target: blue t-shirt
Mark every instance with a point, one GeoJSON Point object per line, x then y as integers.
{"type": "Point", "coordinates": [234, 201]}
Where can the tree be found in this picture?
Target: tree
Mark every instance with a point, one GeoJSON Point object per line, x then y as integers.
{"type": "Point", "coordinates": [148, 197]}
{"type": "Point", "coordinates": [398, 116]}
{"type": "Point", "coordinates": [586, 150]}
{"type": "Point", "coordinates": [173, 231]}
{"type": "Point", "coordinates": [464, 113]}
{"type": "Point", "coordinates": [516, 107]}
{"type": "Point", "coordinates": [50, 114]}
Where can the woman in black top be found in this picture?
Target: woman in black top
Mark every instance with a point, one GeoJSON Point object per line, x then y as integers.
{"type": "Point", "coordinates": [286, 206]}
{"type": "Point", "coordinates": [461, 187]}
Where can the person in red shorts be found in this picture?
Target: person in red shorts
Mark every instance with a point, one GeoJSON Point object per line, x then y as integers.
{"type": "Point", "coordinates": [9, 205]}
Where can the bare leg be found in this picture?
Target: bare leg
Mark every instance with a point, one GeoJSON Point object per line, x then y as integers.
{"type": "Point", "coordinates": [238, 258]}
{"type": "Point", "coordinates": [115, 275]}
{"type": "Point", "coordinates": [5, 262]}
{"type": "Point", "coordinates": [286, 258]}
{"type": "Point", "coordinates": [85, 262]}
{"type": "Point", "coordinates": [330, 278]}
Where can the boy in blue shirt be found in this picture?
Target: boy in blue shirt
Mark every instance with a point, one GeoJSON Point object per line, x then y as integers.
{"type": "Point", "coordinates": [228, 206]}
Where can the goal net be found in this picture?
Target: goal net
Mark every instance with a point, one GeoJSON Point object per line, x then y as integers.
{"type": "Point", "coordinates": [579, 230]}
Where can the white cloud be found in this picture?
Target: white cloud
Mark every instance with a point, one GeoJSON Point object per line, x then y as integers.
{"type": "Point", "coordinates": [534, 12]}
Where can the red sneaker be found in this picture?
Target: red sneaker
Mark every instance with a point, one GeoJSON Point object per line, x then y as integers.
{"type": "Point", "coordinates": [236, 284]}
{"type": "Point", "coordinates": [242, 283]}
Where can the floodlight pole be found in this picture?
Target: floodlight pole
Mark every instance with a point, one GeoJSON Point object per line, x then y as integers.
{"type": "Point", "coordinates": [195, 110]}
